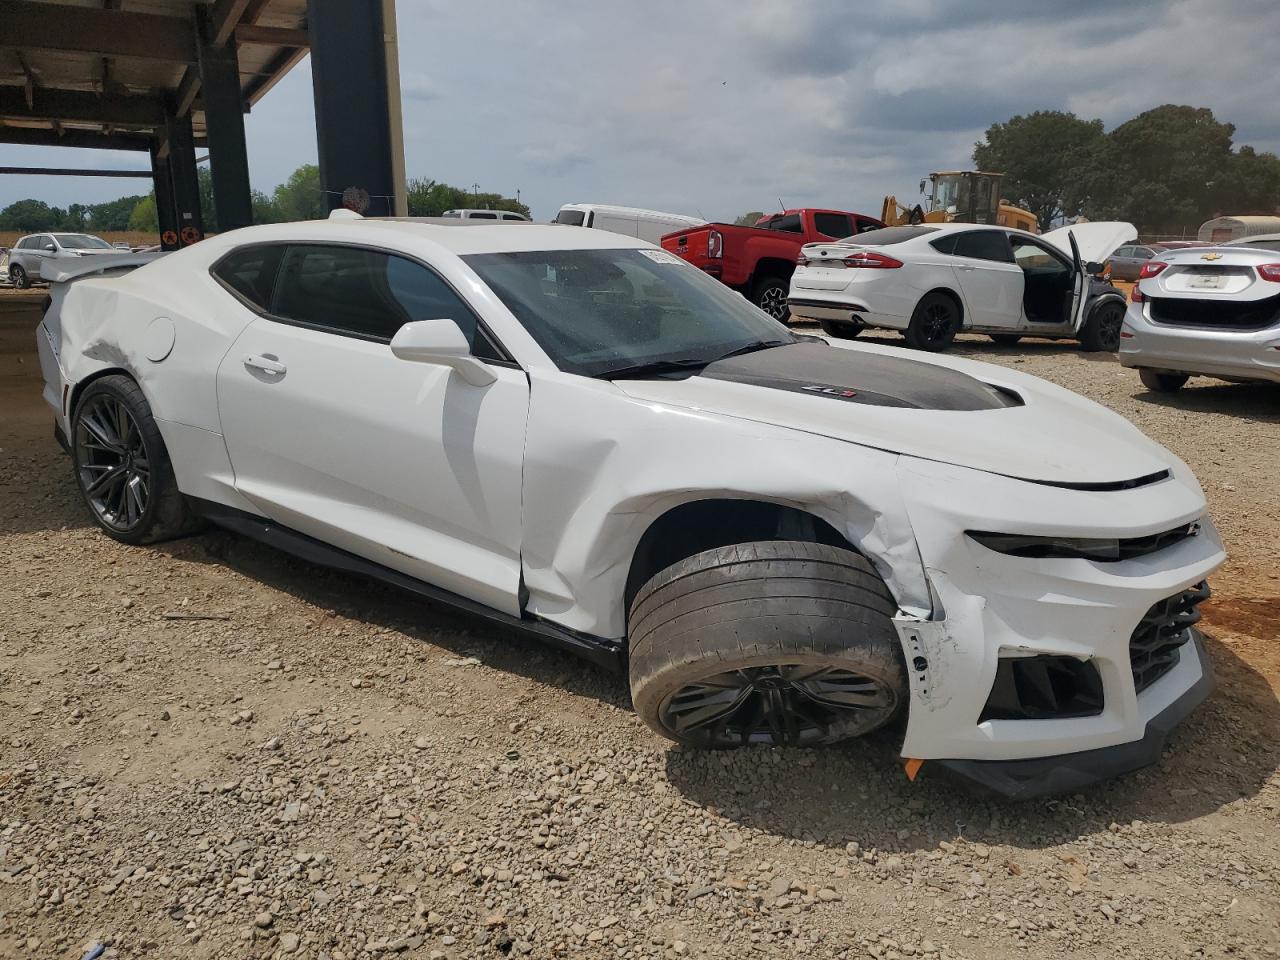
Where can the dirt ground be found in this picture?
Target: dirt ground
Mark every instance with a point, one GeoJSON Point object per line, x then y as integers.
{"type": "Point", "coordinates": [209, 749]}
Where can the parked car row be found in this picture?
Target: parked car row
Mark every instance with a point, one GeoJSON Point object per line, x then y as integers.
{"type": "Point", "coordinates": [21, 264]}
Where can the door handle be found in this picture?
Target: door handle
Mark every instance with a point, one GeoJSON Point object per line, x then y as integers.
{"type": "Point", "coordinates": [265, 364]}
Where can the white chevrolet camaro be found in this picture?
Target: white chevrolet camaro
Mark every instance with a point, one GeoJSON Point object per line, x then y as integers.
{"type": "Point", "coordinates": [778, 539]}
{"type": "Point", "coordinates": [933, 281]}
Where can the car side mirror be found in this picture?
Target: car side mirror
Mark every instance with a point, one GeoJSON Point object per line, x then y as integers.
{"type": "Point", "coordinates": [51, 248]}
{"type": "Point", "coordinates": [1094, 269]}
{"type": "Point", "coordinates": [442, 343]}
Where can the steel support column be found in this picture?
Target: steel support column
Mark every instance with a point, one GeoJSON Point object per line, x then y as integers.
{"type": "Point", "coordinates": [355, 78]}
{"type": "Point", "coordinates": [224, 122]}
{"type": "Point", "coordinates": [182, 175]}
{"type": "Point", "coordinates": [166, 212]}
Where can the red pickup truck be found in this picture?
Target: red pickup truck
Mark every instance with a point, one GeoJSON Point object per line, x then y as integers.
{"type": "Point", "coordinates": [759, 260]}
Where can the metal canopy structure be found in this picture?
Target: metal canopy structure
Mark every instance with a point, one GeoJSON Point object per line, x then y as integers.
{"type": "Point", "coordinates": [164, 76]}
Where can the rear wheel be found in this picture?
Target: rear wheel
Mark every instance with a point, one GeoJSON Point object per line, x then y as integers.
{"type": "Point", "coordinates": [778, 642]}
{"type": "Point", "coordinates": [18, 277]}
{"type": "Point", "coordinates": [1162, 382]}
{"type": "Point", "coordinates": [840, 329]}
{"type": "Point", "coordinates": [1005, 339]}
{"type": "Point", "coordinates": [935, 322]}
{"type": "Point", "coordinates": [770, 294]}
{"type": "Point", "coordinates": [1101, 331]}
{"type": "Point", "coordinates": [122, 466]}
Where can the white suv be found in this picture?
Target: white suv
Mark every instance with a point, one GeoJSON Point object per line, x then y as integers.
{"type": "Point", "coordinates": [578, 435]}
{"type": "Point", "coordinates": [30, 253]}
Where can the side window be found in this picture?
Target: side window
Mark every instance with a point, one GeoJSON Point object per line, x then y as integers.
{"type": "Point", "coordinates": [864, 225]}
{"type": "Point", "coordinates": [482, 216]}
{"type": "Point", "coordinates": [984, 245]}
{"type": "Point", "coordinates": [945, 244]}
{"type": "Point", "coordinates": [833, 225]}
{"type": "Point", "coordinates": [1032, 256]}
{"type": "Point", "coordinates": [42, 241]}
{"type": "Point", "coordinates": [251, 272]}
{"type": "Point", "coordinates": [788, 224]}
{"type": "Point", "coordinates": [1143, 253]}
{"type": "Point", "coordinates": [1122, 253]}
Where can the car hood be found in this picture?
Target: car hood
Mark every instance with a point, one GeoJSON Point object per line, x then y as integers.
{"type": "Point", "coordinates": [945, 409]}
{"type": "Point", "coordinates": [1096, 240]}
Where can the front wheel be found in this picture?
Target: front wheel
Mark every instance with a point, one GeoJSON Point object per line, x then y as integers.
{"type": "Point", "coordinates": [122, 466]}
{"type": "Point", "coordinates": [770, 295]}
{"type": "Point", "coordinates": [18, 277]}
{"type": "Point", "coordinates": [935, 322]}
{"type": "Point", "coordinates": [777, 642]}
{"type": "Point", "coordinates": [1162, 382]}
{"type": "Point", "coordinates": [1101, 331]}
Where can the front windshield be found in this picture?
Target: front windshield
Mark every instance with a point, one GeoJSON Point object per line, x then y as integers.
{"type": "Point", "coordinates": [573, 218]}
{"type": "Point", "coordinates": [949, 192]}
{"type": "Point", "coordinates": [597, 311]}
{"type": "Point", "coordinates": [82, 241]}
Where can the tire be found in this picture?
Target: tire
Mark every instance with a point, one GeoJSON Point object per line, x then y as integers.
{"type": "Point", "coordinates": [1005, 339]}
{"type": "Point", "coordinates": [934, 324]}
{"type": "Point", "coordinates": [769, 293]}
{"type": "Point", "coordinates": [1162, 382]}
{"type": "Point", "coordinates": [18, 277]}
{"type": "Point", "coordinates": [841, 330]}
{"type": "Point", "coordinates": [1101, 330]}
{"type": "Point", "coordinates": [759, 633]}
{"type": "Point", "coordinates": [114, 434]}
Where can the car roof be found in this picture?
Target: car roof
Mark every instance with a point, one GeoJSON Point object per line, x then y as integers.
{"type": "Point", "coordinates": [456, 236]}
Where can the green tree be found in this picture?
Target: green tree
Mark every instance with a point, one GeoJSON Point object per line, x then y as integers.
{"type": "Point", "coordinates": [1249, 183]}
{"type": "Point", "coordinates": [1162, 170]}
{"type": "Point", "coordinates": [28, 216]}
{"type": "Point", "coordinates": [76, 215]}
{"type": "Point", "coordinates": [112, 215]}
{"type": "Point", "coordinates": [1045, 158]}
{"type": "Point", "coordinates": [430, 198]}
{"type": "Point", "coordinates": [264, 208]}
{"type": "Point", "coordinates": [299, 197]}
{"type": "Point", "coordinates": [144, 218]}
{"type": "Point", "coordinates": [749, 219]}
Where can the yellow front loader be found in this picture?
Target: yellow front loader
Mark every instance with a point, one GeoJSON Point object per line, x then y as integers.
{"type": "Point", "coordinates": [960, 196]}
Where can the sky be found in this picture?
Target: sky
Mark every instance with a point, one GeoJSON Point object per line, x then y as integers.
{"type": "Point", "coordinates": [718, 107]}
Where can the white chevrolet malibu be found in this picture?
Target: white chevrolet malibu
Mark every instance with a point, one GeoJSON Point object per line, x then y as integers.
{"type": "Point", "coordinates": [780, 540]}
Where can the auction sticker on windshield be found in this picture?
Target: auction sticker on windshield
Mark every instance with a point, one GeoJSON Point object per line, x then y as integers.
{"type": "Point", "coordinates": [661, 256]}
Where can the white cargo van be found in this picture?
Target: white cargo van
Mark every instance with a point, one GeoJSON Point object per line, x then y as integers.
{"type": "Point", "coordinates": [648, 225]}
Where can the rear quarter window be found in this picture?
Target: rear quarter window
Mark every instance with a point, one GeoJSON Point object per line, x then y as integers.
{"type": "Point", "coordinates": [251, 272]}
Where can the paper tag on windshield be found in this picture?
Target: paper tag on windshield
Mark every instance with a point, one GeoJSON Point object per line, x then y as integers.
{"type": "Point", "coordinates": [661, 256]}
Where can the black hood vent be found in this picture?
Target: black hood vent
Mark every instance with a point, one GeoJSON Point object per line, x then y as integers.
{"type": "Point", "coordinates": [854, 376]}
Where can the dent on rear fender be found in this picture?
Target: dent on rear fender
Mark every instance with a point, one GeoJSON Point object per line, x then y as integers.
{"type": "Point", "coordinates": [600, 468]}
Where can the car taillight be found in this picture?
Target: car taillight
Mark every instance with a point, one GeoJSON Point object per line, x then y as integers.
{"type": "Point", "coordinates": [1135, 295]}
{"type": "Point", "coordinates": [1150, 269]}
{"type": "Point", "coordinates": [1270, 271]}
{"type": "Point", "coordinates": [871, 260]}
{"type": "Point", "coordinates": [715, 244]}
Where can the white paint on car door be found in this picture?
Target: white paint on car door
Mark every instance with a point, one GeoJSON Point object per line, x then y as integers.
{"type": "Point", "coordinates": [990, 281]}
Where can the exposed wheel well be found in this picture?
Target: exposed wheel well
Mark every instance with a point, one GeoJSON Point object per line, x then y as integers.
{"type": "Point", "coordinates": [951, 295]}
{"type": "Point", "coordinates": [705, 524]}
{"type": "Point", "coordinates": [79, 388]}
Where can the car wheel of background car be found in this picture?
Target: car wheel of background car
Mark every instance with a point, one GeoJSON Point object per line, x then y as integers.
{"type": "Point", "coordinates": [18, 277]}
{"type": "Point", "coordinates": [1101, 331]}
{"type": "Point", "coordinates": [935, 323]}
{"type": "Point", "coordinates": [1005, 339]}
{"type": "Point", "coordinates": [770, 295]}
{"type": "Point", "coordinates": [774, 642]}
{"type": "Point", "coordinates": [840, 329]}
{"type": "Point", "coordinates": [122, 466]}
{"type": "Point", "coordinates": [1162, 382]}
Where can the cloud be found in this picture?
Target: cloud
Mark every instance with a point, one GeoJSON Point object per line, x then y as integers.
{"type": "Point", "coordinates": [722, 106]}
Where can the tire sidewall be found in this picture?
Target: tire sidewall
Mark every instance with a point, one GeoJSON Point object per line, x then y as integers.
{"type": "Point", "coordinates": [22, 281]}
{"type": "Point", "coordinates": [1093, 339]}
{"type": "Point", "coordinates": [765, 284]}
{"type": "Point", "coordinates": [916, 336]}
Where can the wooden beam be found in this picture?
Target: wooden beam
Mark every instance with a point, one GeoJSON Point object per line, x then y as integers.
{"type": "Point", "coordinates": [45, 137]}
{"type": "Point", "coordinates": [77, 107]}
{"type": "Point", "coordinates": [223, 20]}
{"type": "Point", "coordinates": [187, 90]}
{"type": "Point", "coordinates": [274, 72]}
{"type": "Point", "coordinates": [271, 36]}
{"type": "Point", "coordinates": [29, 25]}
{"type": "Point", "coordinates": [71, 172]}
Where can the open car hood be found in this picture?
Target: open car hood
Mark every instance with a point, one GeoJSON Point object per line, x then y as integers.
{"type": "Point", "coordinates": [1097, 240]}
{"type": "Point", "coordinates": [951, 410]}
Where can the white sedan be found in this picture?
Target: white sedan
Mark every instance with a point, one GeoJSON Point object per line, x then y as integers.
{"type": "Point", "coordinates": [779, 540]}
{"type": "Point", "coordinates": [934, 280]}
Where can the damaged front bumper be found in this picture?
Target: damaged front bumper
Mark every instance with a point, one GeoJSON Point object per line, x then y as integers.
{"type": "Point", "coordinates": [995, 610]}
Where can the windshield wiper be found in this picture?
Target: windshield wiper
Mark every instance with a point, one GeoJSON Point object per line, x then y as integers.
{"type": "Point", "coordinates": [652, 368]}
{"type": "Point", "coordinates": [753, 347]}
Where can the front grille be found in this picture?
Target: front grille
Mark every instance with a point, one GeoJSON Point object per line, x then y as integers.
{"type": "Point", "coordinates": [1043, 687]}
{"type": "Point", "coordinates": [1155, 645]}
{"type": "Point", "coordinates": [1215, 314]}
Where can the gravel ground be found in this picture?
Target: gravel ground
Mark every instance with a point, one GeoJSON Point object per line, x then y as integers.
{"type": "Point", "coordinates": [208, 749]}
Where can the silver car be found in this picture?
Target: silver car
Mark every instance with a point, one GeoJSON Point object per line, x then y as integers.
{"type": "Point", "coordinates": [1205, 311]}
{"type": "Point", "coordinates": [31, 251]}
